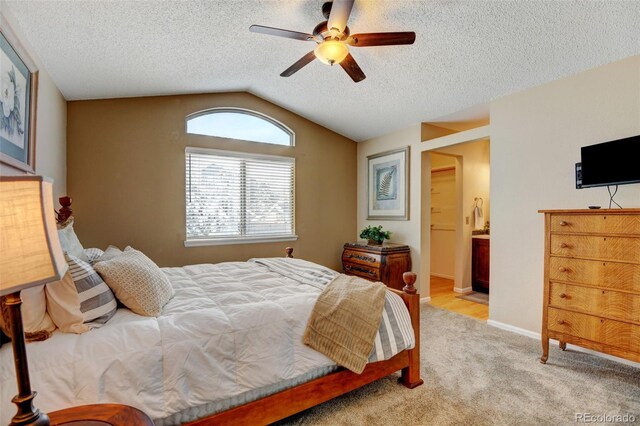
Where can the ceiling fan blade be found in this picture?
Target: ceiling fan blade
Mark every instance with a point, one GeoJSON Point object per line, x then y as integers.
{"type": "Point", "coordinates": [381, 39]}
{"type": "Point", "coordinates": [281, 33]}
{"type": "Point", "coordinates": [309, 57]}
{"type": "Point", "coordinates": [340, 11]}
{"type": "Point", "coordinates": [352, 68]}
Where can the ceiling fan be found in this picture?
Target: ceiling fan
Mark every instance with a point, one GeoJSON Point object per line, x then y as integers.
{"type": "Point", "coordinates": [333, 38]}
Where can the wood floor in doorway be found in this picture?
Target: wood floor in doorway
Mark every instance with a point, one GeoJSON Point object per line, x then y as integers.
{"type": "Point", "coordinates": [443, 296]}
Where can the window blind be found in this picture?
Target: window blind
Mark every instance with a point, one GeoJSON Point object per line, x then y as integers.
{"type": "Point", "coordinates": [232, 195]}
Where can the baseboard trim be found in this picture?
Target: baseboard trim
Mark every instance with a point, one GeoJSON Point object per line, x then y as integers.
{"type": "Point", "coordinates": [426, 299]}
{"type": "Point", "coordinates": [537, 336]}
{"type": "Point", "coordinates": [462, 290]}
{"type": "Point", "coordinates": [513, 329]}
{"type": "Point", "coordinates": [449, 277]}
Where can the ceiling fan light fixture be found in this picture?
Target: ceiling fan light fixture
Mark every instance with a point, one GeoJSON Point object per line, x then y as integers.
{"type": "Point", "coordinates": [331, 52]}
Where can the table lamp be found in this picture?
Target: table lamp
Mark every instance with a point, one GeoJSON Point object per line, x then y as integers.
{"type": "Point", "coordinates": [30, 255]}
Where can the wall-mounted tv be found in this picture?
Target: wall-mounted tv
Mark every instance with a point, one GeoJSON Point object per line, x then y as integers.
{"type": "Point", "coordinates": [611, 163]}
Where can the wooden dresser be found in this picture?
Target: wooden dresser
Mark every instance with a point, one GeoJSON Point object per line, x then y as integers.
{"type": "Point", "coordinates": [386, 262]}
{"type": "Point", "coordinates": [592, 281]}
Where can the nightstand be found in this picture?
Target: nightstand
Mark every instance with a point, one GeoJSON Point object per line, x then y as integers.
{"type": "Point", "coordinates": [100, 415]}
{"type": "Point", "coordinates": [385, 263]}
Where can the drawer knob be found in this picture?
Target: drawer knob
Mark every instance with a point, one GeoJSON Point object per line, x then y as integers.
{"type": "Point", "coordinates": [562, 269]}
{"type": "Point", "coordinates": [563, 223]}
{"type": "Point", "coordinates": [562, 322]}
{"type": "Point", "coordinates": [564, 245]}
{"type": "Point", "coordinates": [562, 296]}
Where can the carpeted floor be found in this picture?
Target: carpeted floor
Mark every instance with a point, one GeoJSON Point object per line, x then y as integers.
{"type": "Point", "coordinates": [478, 375]}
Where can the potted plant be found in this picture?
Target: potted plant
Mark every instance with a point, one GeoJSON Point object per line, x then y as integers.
{"type": "Point", "coordinates": [375, 235]}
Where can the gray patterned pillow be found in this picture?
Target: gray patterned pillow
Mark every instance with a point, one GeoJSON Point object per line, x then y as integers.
{"type": "Point", "coordinates": [137, 282]}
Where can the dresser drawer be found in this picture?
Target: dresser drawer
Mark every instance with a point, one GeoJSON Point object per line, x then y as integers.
{"type": "Point", "coordinates": [606, 248]}
{"type": "Point", "coordinates": [611, 275]}
{"type": "Point", "coordinates": [613, 304]}
{"type": "Point", "coordinates": [354, 256]}
{"type": "Point", "coordinates": [619, 334]}
{"type": "Point", "coordinates": [362, 271]}
{"type": "Point", "coordinates": [596, 224]}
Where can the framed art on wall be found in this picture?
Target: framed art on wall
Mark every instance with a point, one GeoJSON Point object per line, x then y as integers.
{"type": "Point", "coordinates": [18, 98]}
{"type": "Point", "coordinates": [388, 185]}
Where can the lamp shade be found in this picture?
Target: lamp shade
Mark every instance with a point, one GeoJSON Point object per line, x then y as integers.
{"type": "Point", "coordinates": [30, 251]}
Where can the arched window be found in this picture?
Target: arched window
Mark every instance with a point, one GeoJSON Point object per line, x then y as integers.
{"type": "Point", "coordinates": [242, 124]}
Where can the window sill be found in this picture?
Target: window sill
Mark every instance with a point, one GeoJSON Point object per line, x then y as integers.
{"type": "Point", "coordinates": [241, 240]}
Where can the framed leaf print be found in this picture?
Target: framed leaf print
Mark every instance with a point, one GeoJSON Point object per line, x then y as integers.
{"type": "Point", "coordinates": [18, 97]}
{"type": "Point", "coordinates": [388, 185]}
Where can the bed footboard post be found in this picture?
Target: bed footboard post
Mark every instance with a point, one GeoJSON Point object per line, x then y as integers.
{"type": "Point", "coordinates": [289, 251]}
{"type": "Point", "coordinates": [411, 374]}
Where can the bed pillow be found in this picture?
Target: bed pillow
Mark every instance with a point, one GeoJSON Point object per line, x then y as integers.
{"type": "Point", "coordinates": [137, 282]}
{"type": "Point", "coordinates": [36, 322]}
{"type": "Point", "coordinates": [93, 254]}
{"type": "Point", "coordinates": [81, 300]}
{"type": "Point", "coordinates": [109, 253]}
{"type": "Point", "coordinates": [69, 240]}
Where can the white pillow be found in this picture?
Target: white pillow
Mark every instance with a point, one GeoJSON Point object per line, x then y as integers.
{"type": "Point", "coordinates": [34, 310]}
{"type": "Point", "coordinates": [137, 282]}
{"type": "Point", "coordinates": [36, 322]}
{"type": "Point", "coordinates": [70, 242]}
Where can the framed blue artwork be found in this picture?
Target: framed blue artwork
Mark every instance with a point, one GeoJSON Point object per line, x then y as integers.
{"type": "Point", "coordinates": [18, 97]}
{"type": "Point", "coordinates": [388, 188]}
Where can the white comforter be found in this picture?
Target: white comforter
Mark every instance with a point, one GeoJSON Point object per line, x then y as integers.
{"type": "Point", "coordinates": [231, 327]}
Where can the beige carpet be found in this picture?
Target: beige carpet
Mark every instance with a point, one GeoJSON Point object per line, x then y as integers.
{"type": "Point", "coordinates": [478, 375]}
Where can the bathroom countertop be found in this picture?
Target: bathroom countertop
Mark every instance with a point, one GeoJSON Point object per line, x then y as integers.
{"type": "Point", "coordinates": [482, 236]}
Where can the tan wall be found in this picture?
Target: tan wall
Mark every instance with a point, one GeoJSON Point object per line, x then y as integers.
{"type": "Point", "coordinates": [127, 178]}
{"type": "Point", "coordinates": [51, 124]}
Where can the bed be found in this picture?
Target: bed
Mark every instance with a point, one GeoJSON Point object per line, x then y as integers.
{"type": "Point", "coordinates": [227, 349]}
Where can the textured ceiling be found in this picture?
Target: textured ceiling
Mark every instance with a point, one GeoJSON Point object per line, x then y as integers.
{"type": "Point", "coordinates": [466, 52]}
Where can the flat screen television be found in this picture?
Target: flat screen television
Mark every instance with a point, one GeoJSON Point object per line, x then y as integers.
{"type": "Point", "coordinates": [611, 163]}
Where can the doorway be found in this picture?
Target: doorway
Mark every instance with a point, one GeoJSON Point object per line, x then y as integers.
{"type": "Point", "coordinates": [459, 176]}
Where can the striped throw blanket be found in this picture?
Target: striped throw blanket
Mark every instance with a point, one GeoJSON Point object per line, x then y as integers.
{"type": "Point", "coordinates": [345, 320]}
{"type": "Point", "coordinates": [395, 332]}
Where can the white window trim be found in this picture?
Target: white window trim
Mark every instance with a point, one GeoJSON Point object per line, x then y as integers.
{"type": "Point", "coordinates": [257, 114]}
{"type": "Point", "coordinates": [200, 242]}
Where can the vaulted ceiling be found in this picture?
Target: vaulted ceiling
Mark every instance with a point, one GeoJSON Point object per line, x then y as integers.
{"type": "Point", "coordinates": [466, 52]}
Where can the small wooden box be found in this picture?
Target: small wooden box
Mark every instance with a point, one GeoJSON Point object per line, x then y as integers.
{"type": "Point", "coordinates": [385, 263]}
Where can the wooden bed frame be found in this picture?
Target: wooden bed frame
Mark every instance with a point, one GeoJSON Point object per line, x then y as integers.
{"type": "Point", "coordinates": [306, 395]}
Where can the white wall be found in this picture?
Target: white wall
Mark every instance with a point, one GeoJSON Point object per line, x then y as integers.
{"type": "Point", "coordinates": [51, 124]}
{"type": "Point", "coordinates": [404, 231]}
{"type": "Point", "coordinates": [536, 137]}
{"type": "Point", "coordinates": [474, 158]}
{"type": "Point", "coordinates": [443, 216]}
